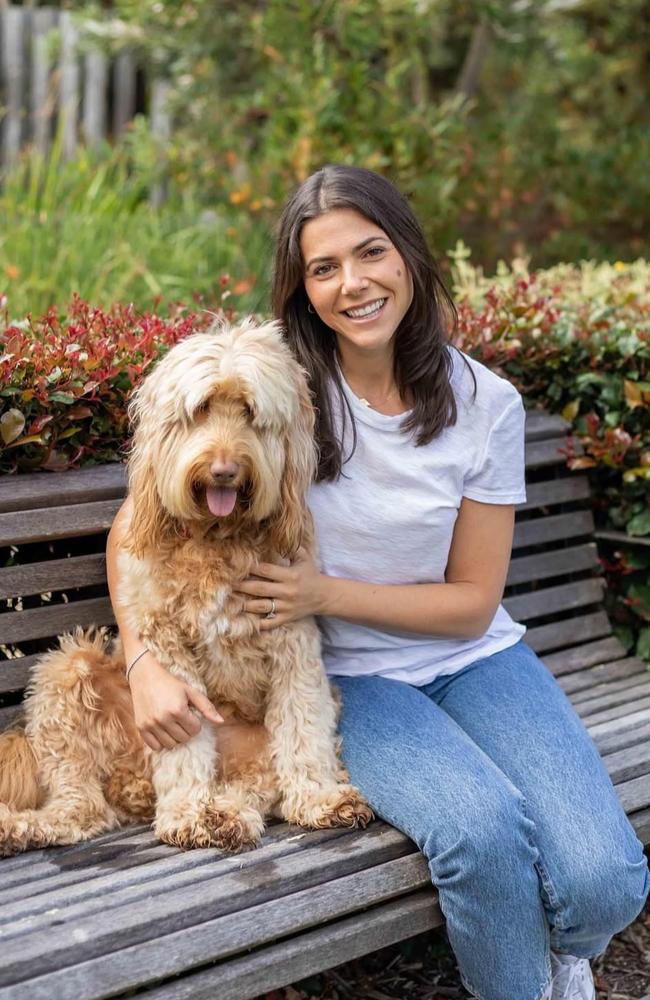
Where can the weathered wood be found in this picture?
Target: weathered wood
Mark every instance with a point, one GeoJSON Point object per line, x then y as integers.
{"type": "Point", "coordinates": [641, 822]}
{"type": "Point", "coordinates": [545, 638]}
{"type": "Point", "coordinates": [61, 489]}
{"type": "Point", "coordinates": [232, 933]}
{"type": "Point", "coordinates": [42, 943]}
{"type": "Point", "coordinates": [575, 683]}
{"type": "Point", "coordinates": [614, 693]}
{"type": "Point", "coordinates": [69, 79]}
{"type": "Point", "coordinates": [58, 574]}
{"type": "Point", "coordinates": [557, 527]}
{"type": "Point", "coordinates": [587, 655]}
{"type": "Point", "coordinates": [44, 20]}
{"type": "Point", "coordinates": [124, 72]}
{"type": "Point", "coordinates": [96, 70]}
{"type": "Point", "coordinates": [634, 794]}
{"type": "Point", "coordinates": [37, 623]}
{"type": "Point", "coordinates": [566, 489]}
{"type": "Point", "coordinates": [9, 716]}
{"type": "Point", "coordinates": [618, 712]}
{"type": "Point", "coordinates": [43, 525]}
{"type": "Point", "coordinates": [13, 28]}
{"type": "Point", "coordinates": [540, 425]}
{"type": "Point", "coordinates": [548, 600]}
{"type": "Point", "coordinates": [285, 962]}
{"type": "Point", "coordinates": [628, 763]}
{"type": "Point", "coordinates": [552, 451]}
{"type": "Point", "coordinates": [14, 674]}
{"type": "Point", "coordinates": [630, 723]}
{"type": "Point", "coordinates": [622, 738]}
{"type": "Point", "coordinates": [544, 565]}
{"type": "Point", "coordinates": [622, 538]}
{"type": "Point", "coordinates": [47, 885]}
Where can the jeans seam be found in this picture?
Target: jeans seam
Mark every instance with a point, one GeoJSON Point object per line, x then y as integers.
{"type": "Point", "coordinates": [545, 878]}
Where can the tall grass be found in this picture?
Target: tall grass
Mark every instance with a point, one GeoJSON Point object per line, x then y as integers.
{"type": "Point", "coordinates": [87, 226]}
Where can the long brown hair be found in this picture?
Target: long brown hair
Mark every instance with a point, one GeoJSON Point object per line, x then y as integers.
{"type": "Point", "coordinates": [422, 361]}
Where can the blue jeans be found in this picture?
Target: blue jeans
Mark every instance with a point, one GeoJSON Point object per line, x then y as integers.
{"type": "Point", "coordinates": [493, 775]}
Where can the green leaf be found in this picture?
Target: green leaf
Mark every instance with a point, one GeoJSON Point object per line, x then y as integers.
{"type": "Point", "coordinates": [62, 397]}
{"type": "Point", "coordinates": [643, 644]}
{"type": "Point", "coordinates": [12, 423]}
{"type": "Point", "coordinates": [639, 524]}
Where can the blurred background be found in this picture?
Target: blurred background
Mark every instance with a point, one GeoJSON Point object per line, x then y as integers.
{"type": "Point", "coordinates": [176, 130]}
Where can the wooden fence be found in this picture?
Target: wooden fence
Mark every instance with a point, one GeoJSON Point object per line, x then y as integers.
{"type": "Point", "coordinates": [48, 81]}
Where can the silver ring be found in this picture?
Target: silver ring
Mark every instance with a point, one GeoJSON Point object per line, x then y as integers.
{"type": "Point", "coordinates": [271, 613]}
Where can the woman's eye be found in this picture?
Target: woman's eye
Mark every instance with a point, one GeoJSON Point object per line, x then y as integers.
{"type": "Point", "coordinates": [322, 269]}
{"type": "Point", "coordinates": [374, 251]}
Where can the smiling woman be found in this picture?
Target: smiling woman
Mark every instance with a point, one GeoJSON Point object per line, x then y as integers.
{"type": "Point", "coordinates": [452, 728]}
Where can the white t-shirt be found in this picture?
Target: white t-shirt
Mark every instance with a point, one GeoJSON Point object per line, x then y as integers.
{"type": "Point", "coordinates": [390, 517]}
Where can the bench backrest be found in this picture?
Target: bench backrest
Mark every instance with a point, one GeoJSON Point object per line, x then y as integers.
{"type": "Point", "coordinates": [53, 576]}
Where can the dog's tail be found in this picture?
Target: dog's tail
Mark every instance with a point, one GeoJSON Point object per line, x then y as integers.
{"type": "Point", "coordinates": [19, 784]}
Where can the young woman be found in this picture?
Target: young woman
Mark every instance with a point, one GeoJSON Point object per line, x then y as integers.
{"type": "Point", "coordinates": [452, 727]}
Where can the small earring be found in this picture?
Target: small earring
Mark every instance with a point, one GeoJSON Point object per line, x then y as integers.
{"type": "Point", "coordinates": [310, 308]}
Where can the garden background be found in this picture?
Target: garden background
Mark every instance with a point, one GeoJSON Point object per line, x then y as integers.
{"type": "Point", "coordinates": [520, 131]}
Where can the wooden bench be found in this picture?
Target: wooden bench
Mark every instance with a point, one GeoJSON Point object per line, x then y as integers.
{"type": "Point", "coordinates": [125, 913]}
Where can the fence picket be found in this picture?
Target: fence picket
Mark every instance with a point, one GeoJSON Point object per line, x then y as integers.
{"type": "Point", "coordinates": [43, 99]}
{"type": "Point", "coordinates": [69, 82]}
{"type": "Point", "coordinates": [13, 28]}
{"type": "Point", "coordinates": [95, 93]}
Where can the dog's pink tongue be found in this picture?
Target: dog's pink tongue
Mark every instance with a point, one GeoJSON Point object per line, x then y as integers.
{"type": "Point", "coordinates": [221, 500]}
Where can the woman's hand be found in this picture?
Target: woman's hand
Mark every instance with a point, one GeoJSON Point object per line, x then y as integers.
{"type": "Point", "coordinates": [166, 708]}
{"type": "Point", "coordinates": [298, 591]}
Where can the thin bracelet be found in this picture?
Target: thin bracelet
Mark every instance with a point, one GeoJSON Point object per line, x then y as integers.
{"type": "Point", "coordinates": [138, 657]}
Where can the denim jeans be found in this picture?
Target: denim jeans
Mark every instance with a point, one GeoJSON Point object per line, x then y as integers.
{"type": "Point", "coordinates": [493, 775]}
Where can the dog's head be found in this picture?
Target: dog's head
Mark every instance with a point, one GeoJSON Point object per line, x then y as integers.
{"type": "Point", "coordinates": [223, 434]}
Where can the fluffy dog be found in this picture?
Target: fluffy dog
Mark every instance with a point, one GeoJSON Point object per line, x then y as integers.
{"type": "Point", "coordinates": [221, 462]}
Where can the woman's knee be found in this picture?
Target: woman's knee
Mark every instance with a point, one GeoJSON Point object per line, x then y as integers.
{"type": "Point", "coordinates": [606, 895]}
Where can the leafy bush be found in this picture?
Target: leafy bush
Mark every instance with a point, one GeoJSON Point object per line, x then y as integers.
{"type": "Point", "coordinates": [576, 340]}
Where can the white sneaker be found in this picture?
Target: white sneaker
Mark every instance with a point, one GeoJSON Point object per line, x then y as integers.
{"type": "Point", "coordinates": [572, 978]}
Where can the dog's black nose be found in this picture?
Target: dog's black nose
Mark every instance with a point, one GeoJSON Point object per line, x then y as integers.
{"type": "Point", "coordinates": [224, 473]}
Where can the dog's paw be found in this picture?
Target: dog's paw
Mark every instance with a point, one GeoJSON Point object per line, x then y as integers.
{"type": "Point", "coordinates": [15, 834]}
{"type": "Point", "coordinates": [341, 805]}
{"type": "Point", "coordinates": [211, 826]}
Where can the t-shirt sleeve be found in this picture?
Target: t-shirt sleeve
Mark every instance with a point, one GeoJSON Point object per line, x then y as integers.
{"type": "Point", "coordinates": [499, 475]}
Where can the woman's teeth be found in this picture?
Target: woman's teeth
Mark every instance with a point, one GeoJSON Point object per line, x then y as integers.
{"type": "Point", "coordinates": [369, 310]}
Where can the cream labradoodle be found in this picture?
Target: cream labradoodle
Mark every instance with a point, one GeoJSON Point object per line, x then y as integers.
{"type": "Point", "coordinates": [221, 463]}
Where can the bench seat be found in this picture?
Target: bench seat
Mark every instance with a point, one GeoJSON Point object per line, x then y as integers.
{"type": "Point", "coordinates": [124, 912]}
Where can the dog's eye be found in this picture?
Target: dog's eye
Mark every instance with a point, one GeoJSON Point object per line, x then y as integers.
{"type": "Point", "coordinates": [249, 413]}
{"type": "Point", "coordinates": [202, 407]}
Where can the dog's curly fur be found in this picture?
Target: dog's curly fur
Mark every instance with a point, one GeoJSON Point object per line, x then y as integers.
{"type": "Point", "coordinates": [234, 397]}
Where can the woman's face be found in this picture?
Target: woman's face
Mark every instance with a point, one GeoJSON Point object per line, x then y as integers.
{"type": "Point", "coordinates": [355, 280]}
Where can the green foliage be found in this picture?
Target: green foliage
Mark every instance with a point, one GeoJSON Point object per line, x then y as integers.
{"type": "Point", "coordinates": [86, 227]}
{"type": "Point", "coordinates": [541, 153]}
{"type": "Point", "coordinates": [576, 340]}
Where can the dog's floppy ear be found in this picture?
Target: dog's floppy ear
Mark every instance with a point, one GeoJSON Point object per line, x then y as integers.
{"type": "Point", "coordinates": [290, 524]}
{"type": "Point", "coordinates": [150, 523]}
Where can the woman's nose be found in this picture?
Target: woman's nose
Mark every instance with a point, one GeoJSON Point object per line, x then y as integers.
{"type": "Point", "coordinates": [353, 280]}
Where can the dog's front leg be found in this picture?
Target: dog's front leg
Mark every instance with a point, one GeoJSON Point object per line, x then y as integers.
{"type": "Point", "coordinates": [301, 720]}
{"type": "Point", "coordinates": [190, 810]}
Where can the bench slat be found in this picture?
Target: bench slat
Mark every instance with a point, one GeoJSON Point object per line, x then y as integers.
{"type": "Point", "coordinates": [631, 762]}
{"type": "Point", "coordinates": [548, 600]}
{"type": "Point", "coordinates": [634, 794]}
{"type": "Point", "coordinates": [570, 632]}
{"type": "Point", "coordinates": [37, 623]}
{"type": "Point", "coordinates": [44, 943]}
{"type": "Point", "coordinates": [58, 574]}
{"type": "Point", "coordinates": [544, 565]}
{"type": "Point", "coordinates": [10, 715]}
{"type": "Point", "coordinates": [553, 491]}
{"type": "Point", "coordinates": [551, 451]}
{"type": "Point", "coordinates": [48, 886]}
{"type": "Point", "coordinates": [52, 489]}
{"type": "Point", "coordinates": [622, 738]}
{"type": "Point", "coordinates": [230, 934]}
{"type": "Point", "coordinates": [541, 424]}
{"type": "Point", "coordinates": [576, 683]}
{"type": "Point", "coordinates": [618, 712]}
{"type": "Point", "coordinates": [553, 528]}
{"type": "Point", "coordinates": [14, 674]}
{"type": "Point", "coordinates": [587, 655]}
{"type": "Point", "coordinates": [22, 527]}
{"type": "Point", "coordinates": [622, 692]}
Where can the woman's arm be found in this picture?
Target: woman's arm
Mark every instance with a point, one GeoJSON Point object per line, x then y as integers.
{"type": "Point", "coordinates": [164, 706]}
{"type": "Point", "coordinates": [462, 607]}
